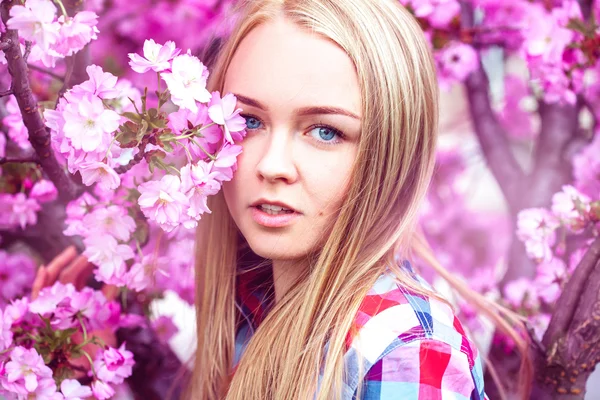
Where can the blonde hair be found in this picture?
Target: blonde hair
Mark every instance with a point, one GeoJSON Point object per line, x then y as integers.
{"type": "Point", "coordinates": [377, 220]}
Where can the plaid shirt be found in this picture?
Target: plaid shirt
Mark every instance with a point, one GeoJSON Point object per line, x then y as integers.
{"type": "Point", "coordinates": [412, 347]}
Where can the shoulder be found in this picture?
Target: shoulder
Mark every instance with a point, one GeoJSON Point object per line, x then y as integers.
{"type": "Point", "coordinates": [413, 346]}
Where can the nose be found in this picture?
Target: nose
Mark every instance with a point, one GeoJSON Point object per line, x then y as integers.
{"type": "Point", "coordinates": [277, 161]}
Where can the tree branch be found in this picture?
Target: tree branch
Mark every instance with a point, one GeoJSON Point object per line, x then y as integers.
{"type": "Point", "coordinates": [552, 169]}
{"type": "Point", "coordinates": [567, 303]}
{"type": "Point", "coordinates": [572, 340]}
{"type": "Point", "coordinates": [491, 135]}
{"type": "Point", "coordinates": [5, 160]}
{"type": "Point", "coordinates": [38, 134]}
{"type": "Point", "coordinates": [46, 71]}
{"type": "Point", "coordinates": [6, 93]}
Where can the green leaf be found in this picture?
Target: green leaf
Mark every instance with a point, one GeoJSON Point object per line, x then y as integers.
{"type": "Point", "coordinates": [135, 117]}
{"type": "Point", "coordinates": [127, 137]}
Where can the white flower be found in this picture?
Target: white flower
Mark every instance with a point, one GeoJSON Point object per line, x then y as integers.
{"type": "Point", "coordinates": [187, 82]}
{"type": "Point", "coordinates": [35, 22]}
{"type": "Point", "coordinates": [156, 57]}
{"type": "Point", "coordinates": [88, 124]}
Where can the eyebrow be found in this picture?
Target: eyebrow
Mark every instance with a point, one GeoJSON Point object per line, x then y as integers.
{"type": "Point", "coordinates": [319, 110]}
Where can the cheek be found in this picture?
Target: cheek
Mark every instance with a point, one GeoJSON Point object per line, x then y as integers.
{"type": "Point", "coordinates": [328, 186]}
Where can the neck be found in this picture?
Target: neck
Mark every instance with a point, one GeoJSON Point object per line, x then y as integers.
{"type": "Point", "coordinates": [285, 273]}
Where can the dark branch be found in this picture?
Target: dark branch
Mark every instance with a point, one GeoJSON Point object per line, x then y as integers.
{"type": "Point", "coordinates": [5, 160]}
{"type": "Point", "coordinates": [586, 8]}
{"type": "Point", "coordinates": [491, 135]}
{"type": "Point", "coordinates": [567, 303]}
{"type": "Point", "coordinates": [27, 50]}
{"type": "Point", "coordinates": [46, 71]}
{"type": "Point", "coordinates": [6, 93]}
{"type": "Point", "coordinates": [136, 159]}
{"type": "Point", "coordinates": [38, 134]}
{"type": "Point", "coordinates": [551, 168]}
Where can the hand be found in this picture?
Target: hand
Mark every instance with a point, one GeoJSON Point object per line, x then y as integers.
{"type": "Point", "coordinates": [69, 267]}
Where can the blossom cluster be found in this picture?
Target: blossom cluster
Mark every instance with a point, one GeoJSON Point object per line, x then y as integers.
{"type": "Point", "coordinates": [16, 274]}
{"type": "Point", "coordinates": [58, 329]}
{"type": "Point", "coordinates": [553, 38]}
{"type": "Point", "coordinates": [168, 162]}
{"type": "Point", "coordinates": [19, 209]}
{"type": "Point", "coordinates": [52, 36]}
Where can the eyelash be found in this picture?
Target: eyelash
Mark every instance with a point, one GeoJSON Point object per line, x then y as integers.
{"type": "Point", "coordinates": [339, 133]}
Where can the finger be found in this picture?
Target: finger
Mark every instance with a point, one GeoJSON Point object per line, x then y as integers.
{"type": "Point", "coordinates": [77, 272]}
{"type": "Point", "coordinates": [110, 292]}
{"type": "Point", "coordinates": [39, 282]}
{"type": "Point", "coordinates": [60, 262]}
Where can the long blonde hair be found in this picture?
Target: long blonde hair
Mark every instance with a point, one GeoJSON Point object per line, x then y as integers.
{"type": "Point", "coordinates": [377, 220]}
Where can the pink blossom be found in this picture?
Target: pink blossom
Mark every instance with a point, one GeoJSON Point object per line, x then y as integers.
{"type": "Point", "coordinates": [521, 293]}
{"type": "Point", "coordinates": [438, 12]}
{"type": "Point", "coordinates": [223, 112]}
{"type": "Point", "coordinates": [555, 84]}
{"type": "Point", "coordinates": [35, 22]}
{"type": "Point", "coordinates": [17, 311]}
{"type": "Point", "coordinates": [456, 61]}
{"type": "Point", "coordinates": [536, 227]}
{"type": "Point", "coordinates": [89, 125]}
{"type": "Point", "coordinates": [25, 371]}
{"type": "Point", "coordinates": [100, 173]}
{"type": "Point", "coordinates": [112, 220]}
{"type": "Point", "coordinates": [76, 210]}
{"type": "Point", "coordinates": [551, 275]}
{"type": "Point", "coordinates": [47, 57]}
{"type": "Point", "coordinates": [544, 37]}
{"type": "Point", "coordinates": [180, 278]}
{"type": "Point", "coordinates": [142, 274]}
{"type": "Point", "coordinates": [17, 210]}
{"type": "Point", "coordinates": [43, 191]}
{"type": "Point", "coordinates": [109, 256]}
{"type": "Point", "coordinates": [76, 32]}
{"type": "Point", "coordinates": [49, 298]}
{"type": "Point", "coordinates": [164, 328]}
{"type": "Point", "coordinates": [163, 202]}
{"type": "Point", "coordinates": [136, 278]}
{"type": "Point", "coordinates": [516, 114]}
{"type": "Point", "coordinates": [156, 57]}
{"type": "Point", "coordinates": [17, 272]}
{"type": "Point", "coordinates": [187, 82]}
{"type": "Point", "coordinates": [572, 207]}
{"type": "Point", "coordinates": [226, 162]}
{"type": "Point", "coordinates": [2, 148]}
{"type": "Point", "coordinates": [73, 390]}
{"type": "Point", "coordinates": [101, 84]}
{"type": "Point", "coordinates": [114, 365]}
{"type": "Point", "coordinates": [17, 132]}
{"type": "Point", "coordinates": [182, 119]}
{"type": "Point", "coordinates": [540, 323]}
{"type": "Point", "coordinates": [198, 182]}
{"type": "Point", "coordinates": [102, 390]}
{"type": "Point", "coordinates": [6, 335]}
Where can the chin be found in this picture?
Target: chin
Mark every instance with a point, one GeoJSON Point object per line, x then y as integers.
{"type": "Point", "coordinates": [275, 248]}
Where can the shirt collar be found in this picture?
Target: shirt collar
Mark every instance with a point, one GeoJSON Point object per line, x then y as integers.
{"type": "Point", "coordinates": [254, 294]}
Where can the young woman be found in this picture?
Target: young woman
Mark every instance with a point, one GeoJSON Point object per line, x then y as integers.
{"type": "Point", "coordinates": [303, 288]}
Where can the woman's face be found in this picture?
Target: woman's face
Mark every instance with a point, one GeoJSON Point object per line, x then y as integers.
{"type": "Point", "coordinates": [300, 97]}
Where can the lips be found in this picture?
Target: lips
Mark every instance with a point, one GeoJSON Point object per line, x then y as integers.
{"type": "Point", "coordinates": [261, 201]}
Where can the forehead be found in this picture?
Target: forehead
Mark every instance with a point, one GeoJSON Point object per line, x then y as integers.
{"type": "Point", "coordinates": [281, 64]}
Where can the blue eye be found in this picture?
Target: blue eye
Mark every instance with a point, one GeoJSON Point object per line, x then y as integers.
{"type": "Point", "coordinates": [252, 122]}
{"type": "Point", "coordinates": [325, 134]}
